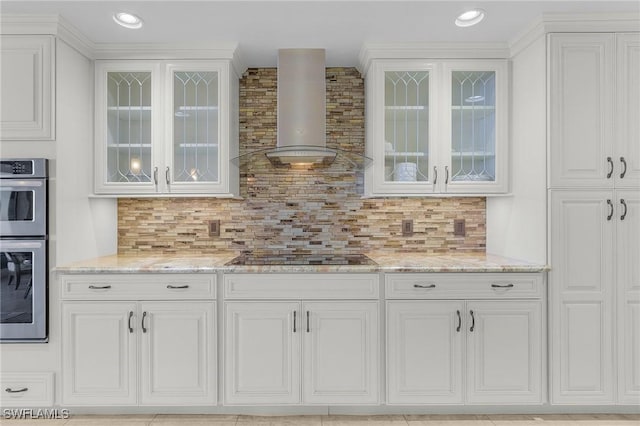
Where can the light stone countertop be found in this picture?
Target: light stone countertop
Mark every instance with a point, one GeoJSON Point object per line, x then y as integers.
{"type": "Point", "coordinates": [386, 262]}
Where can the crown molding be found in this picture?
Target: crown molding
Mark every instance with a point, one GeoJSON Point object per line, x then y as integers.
{"type": "Point", "coordinates": [57, 26]}
{"type": "Point", "coordinates": [567, 23]}
{"type": "Point", "coordinates": [420, 50]}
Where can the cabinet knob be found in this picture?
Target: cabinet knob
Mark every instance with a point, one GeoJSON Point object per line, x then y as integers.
{"type": "Point", "coordinates": [610, 204]}
{"type": "Point", "coordinates": [473, 322]}
{"type": "Point", "coordinates": [435, 175]}
{"type": "Point", "coordinates": [610, 161]}
{"type": "Point", "coordinates": [144, 315]}
{"type": "Point", "coordinates": [624, 167]}
{"type": "Point", "coordinates": [624, 213]}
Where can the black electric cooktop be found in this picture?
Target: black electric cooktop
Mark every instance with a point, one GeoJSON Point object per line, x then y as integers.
{"type": "Point", "coordinates": [301, 259]}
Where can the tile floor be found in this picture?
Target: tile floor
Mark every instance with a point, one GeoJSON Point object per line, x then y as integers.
{"type": "Point", "coordinates": [335, 420]}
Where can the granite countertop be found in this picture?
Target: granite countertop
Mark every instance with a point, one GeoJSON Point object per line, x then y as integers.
{"type": "Point", "coordinates": [386, 262]}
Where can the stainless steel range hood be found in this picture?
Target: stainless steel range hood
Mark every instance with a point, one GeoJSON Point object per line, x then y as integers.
{"type": "Point", "coordinates": [301, 109]}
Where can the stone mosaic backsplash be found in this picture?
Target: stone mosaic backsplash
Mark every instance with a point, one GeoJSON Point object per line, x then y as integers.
{"type": "Point", "coordinates": [298, 210]}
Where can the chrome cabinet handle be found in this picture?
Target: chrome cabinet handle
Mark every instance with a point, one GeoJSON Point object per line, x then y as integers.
{"type": "Point", "coordinates": [167, 176]}
{"type": "Point", "coordinates": [144, 315]}
{"type": "Point", "coordinates": [473, 322]}
{"type": "Point", "coordinates": [9, 390]}
{"type": "Point", "coordinates": [435, 175]}
{"type": "Point", "coordinates": [624, 168]}
{"type": "Point", "coordinates": [610, 161]}
{"type": "Point", "coordinates": [610, 204]}
{"type": "Point", "coordinates": [424, 286]}
{"type": "Point", "coordinates": [307, 321]}
{"type": "Point", "coordinates": [99, 287]}
{"type": "Point", "coordinates": [155, 176]}
{"type": "Point", "coordinates": [177, 286]}
{"type": "Point", "coordinates": [446, 175]}
{"type": "Point", "coordinates": [294, 321]}
{"type": "Point", "coordinates": [624, 204]}
{"type": "Point", "coordinates": [130, 326]}
{"type": "Point", "coordinates": [501, 285]}
{"type": "Point", "coordinates": [459, 321]}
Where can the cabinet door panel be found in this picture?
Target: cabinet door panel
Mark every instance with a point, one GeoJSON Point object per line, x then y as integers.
{"type": "Point", "coordinates": [581, 109]}
{"type": "Point", "coordinates": [424, 352]}
{"type": "Point", "coordinates": [628, 288]}
{"type": "Point", "coordinates": [99, 353]}
{"type": "Point", "coordinates": [504, 347]}
{"type": "Point", "coordinates": [262, 352]}
{"type": "Point", "coordinates": [27, 83]}
{"type": "Point", "coordinates": [178, 354]}
{"type": "Point", "coordinates": [628, 110]}
{"type": "Point", "coordinates": [581, 283]}
{"type": "Point", "coordinates": [340, 353]}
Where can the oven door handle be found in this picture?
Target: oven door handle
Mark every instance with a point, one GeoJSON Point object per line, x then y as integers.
{"type": "Point", "coordinates": [21, 184]}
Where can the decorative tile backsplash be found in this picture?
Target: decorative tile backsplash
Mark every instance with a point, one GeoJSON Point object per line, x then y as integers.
{"type": "Point", "coordinates": [301, 211]}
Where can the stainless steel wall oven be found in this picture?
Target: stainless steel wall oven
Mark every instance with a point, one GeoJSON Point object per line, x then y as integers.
{"type": "Point", "coordinates": [23, 250]}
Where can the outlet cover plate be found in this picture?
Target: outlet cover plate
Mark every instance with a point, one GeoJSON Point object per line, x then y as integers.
{"type": "Point", "coordinates": [459, 228]}
{"type": "Point", "coordinates": [407, 227]}
{"type": "Point", "coordinates": [214, 228]}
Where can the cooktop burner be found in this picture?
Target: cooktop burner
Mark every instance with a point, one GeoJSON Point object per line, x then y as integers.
{"type": "Point", "coordinates": [301, 259]}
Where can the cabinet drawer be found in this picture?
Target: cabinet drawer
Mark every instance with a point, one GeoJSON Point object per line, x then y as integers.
{"type": "Point", "coordinates": [464, 286]}
{"type": "Point", "coordinates": [31, 390]}
{"type": "Point", "coordinates": [138, 286]}
{"type": "Point", "coordinates": [301, 286]}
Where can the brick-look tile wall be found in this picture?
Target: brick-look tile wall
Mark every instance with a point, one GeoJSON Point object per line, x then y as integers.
{"type": "Point", "coordinates": [302, 211]}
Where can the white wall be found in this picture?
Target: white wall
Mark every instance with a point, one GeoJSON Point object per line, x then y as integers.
{"type": "Point", "coordinates": [85, 227]}
{"type": "Point", "coordinates": [517, 225]}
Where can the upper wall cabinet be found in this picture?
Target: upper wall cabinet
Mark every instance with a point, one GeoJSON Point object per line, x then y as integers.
{"type": "Point", "coordinates": [437, 127]}
{"type": "Point", "coordinates": [594, 108]}
{"type": "Point", "coordinates": [27, 85]}
{"type": "Point", "coordinates": [166, 127]}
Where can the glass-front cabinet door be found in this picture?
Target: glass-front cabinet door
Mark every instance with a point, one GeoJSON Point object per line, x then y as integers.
{"type": "Point", "coordinates": [437, 127]}
{"type": "Point", "coordinates": [403, 146]}
{"type": "Point", "coordinates": [126, 116]}
{"type": "Point", "coordinates": [193, 159]}
{"type": "Point", "coordinates": [166, 128]}
{"type": "Point", "coordinates": [475, 104]}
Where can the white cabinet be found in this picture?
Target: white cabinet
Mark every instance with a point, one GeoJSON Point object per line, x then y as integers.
{"type": "Point", "coordinates": [300, 352]}
{"type": "Point", "coordinates": [262, 353]}
{"type": "Point", "coordinates": [99, 353]}
{"type": "Point", "coordinates": [122, 352]}
{"type": "Point", "coordinates": [594, 155]}
{"type": "Point", "coordinates": [27, 85]}
{"type": "Point", "coordinates": [594, 135]}
{"type": "Point", "coordinates": [464, 351]}
{"type": "Point", "coordinates": [504, 360]}
{"type": "Point", "coordinates": [424, 352]}
{"type": "Point", "coordinates": [166, 127]}
{"type": "Point", "coordinates": [627, 264]}
{"type": "Point", "coordinates": [437, 127]}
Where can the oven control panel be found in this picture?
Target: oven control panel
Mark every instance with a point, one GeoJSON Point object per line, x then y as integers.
{"type": "Point", "coordinates": [18, 168]}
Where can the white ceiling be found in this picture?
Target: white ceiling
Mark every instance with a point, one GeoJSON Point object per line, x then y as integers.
{"type": "Point", "coordinates": [341, 27]}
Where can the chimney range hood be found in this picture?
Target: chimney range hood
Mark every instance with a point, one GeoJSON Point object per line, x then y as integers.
{"type": "Point", "coordinates": [302, 115]}
{"type": "Point", "coordinates": [301, 109]}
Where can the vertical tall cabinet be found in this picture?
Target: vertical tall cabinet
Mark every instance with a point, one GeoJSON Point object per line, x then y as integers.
{"type": "Point", "coordinates": [594, 199]}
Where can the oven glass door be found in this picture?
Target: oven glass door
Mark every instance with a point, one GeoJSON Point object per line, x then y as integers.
{"type": "Point", "coordinates": [23, 207]}
{"type": "Point", "coordinates": [23, 290]}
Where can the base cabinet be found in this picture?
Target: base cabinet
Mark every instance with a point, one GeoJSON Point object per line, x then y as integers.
{"type": "Point", "coordinates": [155, 352]}
{"type": "Point", "coordinates": [284, 352]}
{"type": "Point", "coordinates": [444, 350]}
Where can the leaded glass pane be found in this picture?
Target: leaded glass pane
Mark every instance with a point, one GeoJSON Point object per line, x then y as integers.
{"type": "Point", "coordinates": [473, 122]}
{"type": "Point", "coordinates": [129, 127]}
{"type": "Point", "coordinates": [195, 134]}
{"type": "Point", "coordinates": [406, 126]}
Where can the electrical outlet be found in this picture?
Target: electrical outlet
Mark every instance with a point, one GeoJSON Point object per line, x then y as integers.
{"type": "Point", "coordinates": [214, 228]}
{"type": "Point", "coordinates": [459, 228]}
{"type": "Point", "coordinates": [407, 227]}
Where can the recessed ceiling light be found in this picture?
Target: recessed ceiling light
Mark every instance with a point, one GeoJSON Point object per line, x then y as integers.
{"type": "Point", "coordinates": [127, 20]}
{"type": "Point", "coordinates": [470, 17]}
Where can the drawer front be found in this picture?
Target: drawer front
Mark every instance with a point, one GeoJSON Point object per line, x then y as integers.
{"type": "Point", "coordinates": [464, 286]}
{"type": "Point", "coordinates": [301, 286]}
{"type": "Point", "coordinates": [138, 287]}
{"type": "Point", "coordinates": [32, 390]}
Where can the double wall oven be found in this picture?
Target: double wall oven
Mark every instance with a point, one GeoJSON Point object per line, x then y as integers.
{"type": "Point", "coordinates": [23, 250]}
